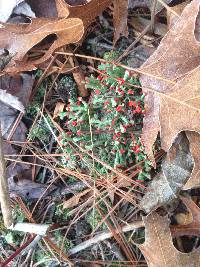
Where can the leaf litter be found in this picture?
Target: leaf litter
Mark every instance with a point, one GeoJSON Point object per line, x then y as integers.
{"type": "Point", "coordinates": [170, 82]}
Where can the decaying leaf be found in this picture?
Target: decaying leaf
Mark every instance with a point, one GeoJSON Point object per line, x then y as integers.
{"type": "Point", "coordinates": [120, 15]}
{"type": "Point", "coordinates": [8, 149]}
{"type": "Point", "coordinates": [139, 24]}
{"type": "Point", "coordinates": [176, 169]}
{"type": "Point", "coordinates": [158, 248]}
{"type": "Point", "coordinates": [79, 77]}
{"type": "Point", "coordinates": [11, 100]}
{"type": "Point", "coordinates": [183, 218]}
{"type": "Point", "coordinates": [18, 87]}
{"type": "Point", "coordinates": [194, 181]}
{"type": "Point", "coordinates": [58, 109]}
{"type": "Point", "coordinates": [27, 189]}
{"type": "Point", "coordinates": [77, 2]}
{"type": "Point", "coordinates": [172, 101]}
{"type": "Point", "coordinates": [20, 183]}
{"type": "Point", "coordinates": [193, 228]}
{"type": "Point", "coordinates": [73, 201]}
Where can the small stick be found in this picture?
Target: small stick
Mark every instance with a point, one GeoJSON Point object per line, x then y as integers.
{"type": "Point", "coordinates": [153, 14]}
{"type": "Point", "coordinates": [33, 228]}
{"type": "Point", "coordinates": [4, 192]}
{"type": "Point", "coordinates": [15, 125]}
{"type": "Point", "coordinates": [103, 236]}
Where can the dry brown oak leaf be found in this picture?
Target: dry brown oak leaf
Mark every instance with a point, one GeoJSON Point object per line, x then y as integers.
{"type": "Point", "coordinates": [158, 248]}
{"type": "Point", "coordinates": [87, 12]}
{"type": "Point", "coordinates": [172, 83]}
{"type": "Point", "coordinates": [120, 15]}
{"type": "Point", "coordinates": [18, 39]}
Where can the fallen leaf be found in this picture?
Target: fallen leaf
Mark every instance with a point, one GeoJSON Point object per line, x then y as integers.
{"type": "Point", "coordinates": [11, 100]}
{"type": "Point", "coordinates": [166, 185]}
{"type": "Point", "coordinates": [171, 17]}
{"type": "Point", "coordinates": [139, 24]}
{"type": "Point", "coordinates": [87, 13]}
{"type": "Point", "coordinates": [7, 119]}
{"type": "Point", "coordinates": [171, 73]}
{"type": "Point", "coordinates": [120, 15]}
{"type": "Point", "coordinates": [79, 78]}
{"type": "Point", "coordinates": [4, 58]}
{"type": "Point", "coordinates": [158, 248]}
{"type": "Point", "coordinates": [8, 149]}
{"type": "Point", "coordinates": [20, 183]}
{"type": "Point", "coordinates": [190, 229]}
{"type": "Point", "coordinates": [27, 189]}
{"type": "Point", "coordinates": [147, 3]}
{"type": "Point", "coordinates": [58, 109]}
{"type": "Point", "coordinates": [73, 201]}
{"type": "Point", "coordinates": [194, 181]}
{"type": "Point", "coordinates": [159, 5]}
{"type": "Point", "coordinates": [20, 88]}
{"type": "Point", "coordinates": [19, 39]}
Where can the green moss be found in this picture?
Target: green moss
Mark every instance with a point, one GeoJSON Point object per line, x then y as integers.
{"type": "Point", "coordinates": [41, 130]}
{"type": "Point", "coordinates": [94, 218]}
{"type": "Point", "coordinates": [61, 214]}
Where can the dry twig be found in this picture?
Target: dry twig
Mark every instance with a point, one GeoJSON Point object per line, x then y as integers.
{"type": "Point", "coordinates": [4, 192]}
{"type": "Point", "coordinates": [103, 236]}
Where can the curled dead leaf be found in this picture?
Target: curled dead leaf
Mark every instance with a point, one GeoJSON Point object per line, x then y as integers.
{"type": "Point", "coordinates": [176, 169]}
{"type": "Point", "coordinates": [79, 77]}
{"type": "Point", "coordinates": [73, 201]}
{"type": "Point", "coordinates": [58, 109]}
{"type": "Point", "coordinates": [19, 39]}
{"type": "Point", "coordinates": [158, 238]}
